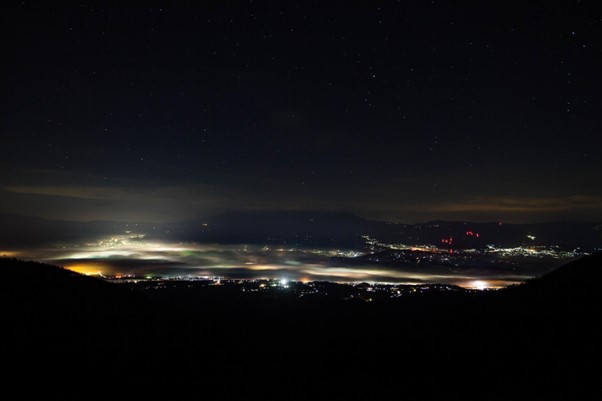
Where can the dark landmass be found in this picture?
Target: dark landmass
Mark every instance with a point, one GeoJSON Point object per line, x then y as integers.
{"type": "Point", "coordinates": [304, 228]}
{"type": "Point", "coordinates": [74, 337]}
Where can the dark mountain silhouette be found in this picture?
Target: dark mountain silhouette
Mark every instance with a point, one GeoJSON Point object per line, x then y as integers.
{"type": "Point", "coordinates": [26, 231]}
{"type": "Point", "coordinates": [526, 342]}
{"type": "Point", "coordinates": [580, 278]}
{"type": "Point", "coordinates": [345, 229]}
{"type": "Point", "coordinates": [572, 291]}
{"type": "Point", "coordinates": [304, 228]}
{"type": "Point", "coordinates": [47, 289]}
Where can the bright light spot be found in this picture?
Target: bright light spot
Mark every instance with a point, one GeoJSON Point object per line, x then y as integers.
{"type": "Point", "coordinates": [88, 269]}
{"type": "Point", "coordinates": [263, 267]}
{"type": "Point", "coordinates": [283, 281]}
{"type": "Point", "coordinates": [479, 285]}
{"type": "Point", "coordinates": [531, 237]}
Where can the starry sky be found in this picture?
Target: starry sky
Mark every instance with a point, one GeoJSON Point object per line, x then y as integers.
{"type": "Point", "coordinates": [404, 111]}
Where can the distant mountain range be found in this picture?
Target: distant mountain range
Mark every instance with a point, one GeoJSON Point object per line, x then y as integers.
{"type": "Point", "coordinates": [307, 228]}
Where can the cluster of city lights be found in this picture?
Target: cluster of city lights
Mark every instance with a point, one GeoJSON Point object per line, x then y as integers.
{"type": "Point", "coordinates": [131, 255]}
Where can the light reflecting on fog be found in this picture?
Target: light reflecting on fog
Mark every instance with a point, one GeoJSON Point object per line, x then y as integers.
{"type": "Point", "coordinates": [133, 255]}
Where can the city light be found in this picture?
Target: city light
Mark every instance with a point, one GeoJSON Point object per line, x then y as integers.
{"type": "Point", "coordinates": [479, 285]}
{"type": "Point", "coordinates": [131, 254]}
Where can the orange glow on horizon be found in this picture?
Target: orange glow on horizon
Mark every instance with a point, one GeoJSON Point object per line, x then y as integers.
{"type": "Point", "coordinates": [263, 267]}
{"type": "Point", "coordinates": [87, 269]}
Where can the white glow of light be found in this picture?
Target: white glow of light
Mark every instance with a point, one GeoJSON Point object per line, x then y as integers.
{"type": "Point", "coordinates": [479, 285]}
{"type": "Point", "coordinates": [112, 255]}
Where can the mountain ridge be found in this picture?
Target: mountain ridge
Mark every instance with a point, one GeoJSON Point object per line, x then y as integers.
{"type": "Point", "coordinates": [508, 348]}
{"type": "Point", "coordinates": [312, 228]}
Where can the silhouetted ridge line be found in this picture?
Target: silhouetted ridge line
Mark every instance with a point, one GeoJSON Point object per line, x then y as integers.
{"type": "Point", "coordinates": [581, 276]}
{"type": "Point", "coordinates": [34, 287]}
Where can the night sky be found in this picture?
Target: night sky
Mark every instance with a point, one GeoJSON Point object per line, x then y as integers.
{"type": "Point", "coordinates": [403, 111]}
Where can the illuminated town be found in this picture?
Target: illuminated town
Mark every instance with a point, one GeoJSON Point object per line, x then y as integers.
{"type": "Point", "coordinates": [376, 269]}
{"type": "Point", "coordinates": [268, 288]}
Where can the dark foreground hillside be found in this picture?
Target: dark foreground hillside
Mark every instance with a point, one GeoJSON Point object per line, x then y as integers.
{"type": "Point", "coordinates": [73, 337]}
